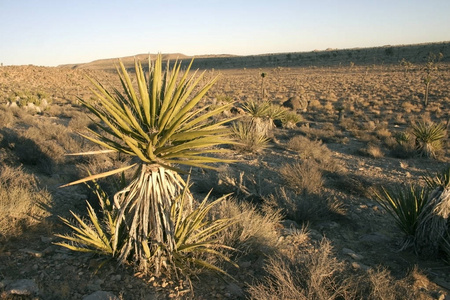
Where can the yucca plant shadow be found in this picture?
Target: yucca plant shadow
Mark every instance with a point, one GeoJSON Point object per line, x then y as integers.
{"type": "Point", "coordinates": [25, 151]}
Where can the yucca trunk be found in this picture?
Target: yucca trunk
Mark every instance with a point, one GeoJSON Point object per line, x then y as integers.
{"type": "Point", "coordinates": [145, 208]}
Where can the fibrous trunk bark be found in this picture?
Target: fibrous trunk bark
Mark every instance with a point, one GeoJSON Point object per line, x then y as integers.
{"type": "Point", "coordinates": [145, 209]}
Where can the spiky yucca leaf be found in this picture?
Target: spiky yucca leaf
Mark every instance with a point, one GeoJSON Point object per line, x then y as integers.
{"type": "Point", "coordinates": [158, 121]}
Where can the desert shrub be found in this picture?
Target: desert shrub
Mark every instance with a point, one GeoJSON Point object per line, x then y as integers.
{"type": "Point", "coordinates": [371, 150]}
{"type": "Point", "coordinates": [306, 207]}
{"type": "Point", "coordinates": [21, 201]}
{"type": "Point", "coordinates": [7, 118]}
{"type": "Point", "coordinates": [327, 133]}
{"type": "Point", "coordinates": [254, 230]}
{"type": "Point", "coordinates": [25, 150]}
{"type": "Point", "coordinates": [80, 121]}
{"type": "Point", "coordinates": [303, 176]}
{"type": "Point", "coordinates": [378, 283]}
{"type": "Point", "coordinates": [317, 274]}
{"type": "Point", "coordinates": [313, 149]}
{"type": "Point", "coordinates": [302, 275]}
{"type": "Point", "coordinates": [251, 136]}
{"type": "Point", "coordinates": [429, 137]}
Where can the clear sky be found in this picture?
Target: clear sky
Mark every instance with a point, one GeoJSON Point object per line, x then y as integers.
{"type": "Point", "coordinates": [53, 32]}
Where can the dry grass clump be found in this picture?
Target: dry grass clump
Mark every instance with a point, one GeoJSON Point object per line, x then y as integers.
{"type": "Point", "coordinates": [317, 274]}
{"type": "Point", "coordinates": [7, 118]}
{"type": "Point", "coordinates": [372, 150]}
{"type": "Point", "coordinates": [314, 149]}
{"type": "Point", "coordinates": [306, 207]}
{"type": "Point", "coordinates": [326, 133]}
{"type": "Point", "coordinates": [302, 275]}
{"type": "Point", "coordinates": [254, 230]}
{"type": "Point", "coordinates": [303, 176]}
{"type": "Point", "coordinates": [21, 201]}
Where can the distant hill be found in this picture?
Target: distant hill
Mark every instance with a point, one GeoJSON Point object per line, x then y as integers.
{"type": "Point", "coordinates": [330, 57]}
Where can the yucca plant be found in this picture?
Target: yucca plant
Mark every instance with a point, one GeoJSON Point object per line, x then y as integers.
{"type": "Point", "coordinates": [257, 109]}
{"type": "Point", "coordinates": [251, 138]}
{"type": "Point", "coordinates": [441, 179]}
{"type": "Point", "coordinates": [404, 204]}
{"type": "Point", "coordinates": [156, 120]}
{"type": "Point", "coordinates": [433, 221]}
{"type": "Point", "coordinates": [262, 115]}
{"type": "Point", "coordinates": [429, 137]}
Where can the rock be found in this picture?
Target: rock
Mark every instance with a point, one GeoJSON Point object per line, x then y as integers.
{"type": "Point", "coordinates": [296, 103]}
{"type": "Point", "coordinates": [352, 254]}
{"type": "Point", "coordinates": [359, 266]}
{"type": "Point", "coordinates": [374, 238]}
{"type": "Point", "coordinates": [24, 287]}
{"type": "Point", "coordinates": [235, 290]}
{"type": "Point", "coordinates": [101, 295]}
{"type": "Point", "coordinates": [32, 252]}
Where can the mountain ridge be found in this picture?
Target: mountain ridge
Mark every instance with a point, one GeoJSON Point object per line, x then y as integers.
{"type": "Point", "coordinates": [387, 54]}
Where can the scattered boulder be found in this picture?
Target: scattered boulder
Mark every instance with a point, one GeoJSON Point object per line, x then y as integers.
{"type": "Point", "coordinates": [296, 103]}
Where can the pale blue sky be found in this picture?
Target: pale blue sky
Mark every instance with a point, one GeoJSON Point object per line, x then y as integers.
{"type": "Point", "coordinates": [49, 33]}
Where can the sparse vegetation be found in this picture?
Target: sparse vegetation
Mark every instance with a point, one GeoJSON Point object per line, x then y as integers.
{"type": "Point", "coordinates": [304, 220]}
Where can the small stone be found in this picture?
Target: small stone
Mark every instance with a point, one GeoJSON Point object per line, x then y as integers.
{"type": "Point", "coordinates": [352, 254]}
{"type": "Point", "coordinates": [24, 287]}
{"type": "Point", "coordinates": [235, 290]}
{"type": "Point", "coordinates": [32, 252]}
{"type": "Point", "coordinates": [46, 239]}
{"type": "Point", "coordinates": [375, 238]}
{"type": "Point", "coordinates": [359, 266]}
{"type": "Point", "coordinates": [101, 295]}
{"type": "Point", "coordinates": [245, 264]}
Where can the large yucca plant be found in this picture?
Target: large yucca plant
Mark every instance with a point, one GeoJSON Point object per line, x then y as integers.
{"type": "Point", "coordinates": [158, 121]}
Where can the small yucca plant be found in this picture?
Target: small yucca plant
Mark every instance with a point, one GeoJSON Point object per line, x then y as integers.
{"type": "Point", "coordinates": [404, 204]}
{"type": "Point", "coordinates": [250, 136]}
{"type": "Point", "coordinates": [257, 109]}
{"type": "Point", "coordinates": [96, 235]}
{"type": "Point", "coordinates": [429, 137]}
{"type": "Point", "coordinates": [157, 121]}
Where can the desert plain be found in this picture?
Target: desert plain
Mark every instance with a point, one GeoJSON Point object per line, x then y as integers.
{"type": "Point", "coordinates": [310, 226]}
